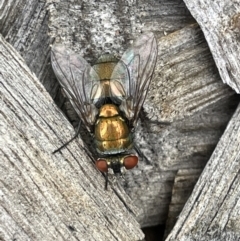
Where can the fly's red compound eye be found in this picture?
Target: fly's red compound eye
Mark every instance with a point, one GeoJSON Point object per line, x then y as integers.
{"type": "Point", "coordinates": [130, 162]}
{"type": "Point", "coordinates": [101, 165]}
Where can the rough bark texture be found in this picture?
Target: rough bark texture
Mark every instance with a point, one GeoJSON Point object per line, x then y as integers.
{"type": "Point", "coordinates": [46, 196]}
{"type": "Point", "coordinates": [220, 22]}
{"type": "Point", "coordinates": [212, 211]}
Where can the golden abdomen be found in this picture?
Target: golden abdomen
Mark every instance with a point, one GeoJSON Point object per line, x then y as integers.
{"type": "Point", "coordinates": [112, 134]}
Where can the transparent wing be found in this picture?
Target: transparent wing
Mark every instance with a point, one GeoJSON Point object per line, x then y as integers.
{"type": "Point", "coordinates": [79, 81]}
{"type": "Point", "coordinates": [132, 75]}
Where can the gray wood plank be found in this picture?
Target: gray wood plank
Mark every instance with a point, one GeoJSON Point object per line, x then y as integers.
{"type": "Point", "coordinates": [24, 24]}
{"type": "Point", "coordinates": [184, 183]}
{"type": "Point", "coordinates": [186, 91]}
{"type": "Point", "coordinates": [212, 211]}
{"type": "Point", "coordinates": [45, 196]}
{"type": "Point", "coordinates": [219, 21]}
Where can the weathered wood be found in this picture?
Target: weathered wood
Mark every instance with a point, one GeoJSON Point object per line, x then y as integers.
{"type": "Point", "coordinates": [186, 79]}
{"type": "Point", "coordinates": [93, 28]}
{"type": "Point", "coordinates": [45, 196]}
{"type": "Point", "coordinates": [212, 211]}
{"type": "Point", "coordinates": [220, 22]}
{"type": "Point", "coordinates": [184, 183]}
{"type": "Point", "coordinates": [186, 90]}
{"type": "Point", "coordinates": [24, 24]}
{"type": "Point", "coordinates": [186, 84]}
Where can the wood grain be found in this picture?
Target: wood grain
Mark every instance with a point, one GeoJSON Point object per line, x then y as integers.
{"type": "Point", "coordinates": [187, 91]}
{"type": "Point", "coordinates": [212, 211]}
{"type": "Point", "coordinates": [24, 24]}
{"type": "Point", "coordinates": [46, 196]}
{"type": "Point", "coordinates": [184, 183]}
{"type": "Point", "coordinates": [220, 22]}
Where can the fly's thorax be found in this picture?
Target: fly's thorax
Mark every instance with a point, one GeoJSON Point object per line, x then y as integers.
{"type": "Point", "coordinates": [105, 66]}
{"type": "Point", "coordinates": [112, 134]}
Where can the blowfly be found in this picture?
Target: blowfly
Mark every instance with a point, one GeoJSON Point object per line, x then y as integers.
{"type": "Point", "coordinates": [108, 97]}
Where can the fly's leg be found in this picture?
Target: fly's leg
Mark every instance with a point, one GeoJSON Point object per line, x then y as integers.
{"type": "Point", "coordinates": [143, 116]}
{"type": "Point", "coordinates": [160, 122]}
{"type": "Point", "coordinates": [140, 153]}
{"type": "Point", "coordinates": [75, 136]}
{"type": "Point", "coordinates": [93, 160]}
{"type": "Point", "coordinates": [106, 180]}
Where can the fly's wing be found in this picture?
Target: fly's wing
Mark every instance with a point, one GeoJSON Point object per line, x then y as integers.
{"type": "Point", "coordinates": [79, 81]}
{"type": "Point", "coordinates": [132, 75]}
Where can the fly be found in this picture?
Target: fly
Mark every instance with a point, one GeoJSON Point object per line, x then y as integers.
{"type": "Point", "coordinates": [108, 97]}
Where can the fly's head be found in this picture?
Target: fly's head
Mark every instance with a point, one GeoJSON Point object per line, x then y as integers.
{"type": "Point", "coordinates": [116, 163]}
